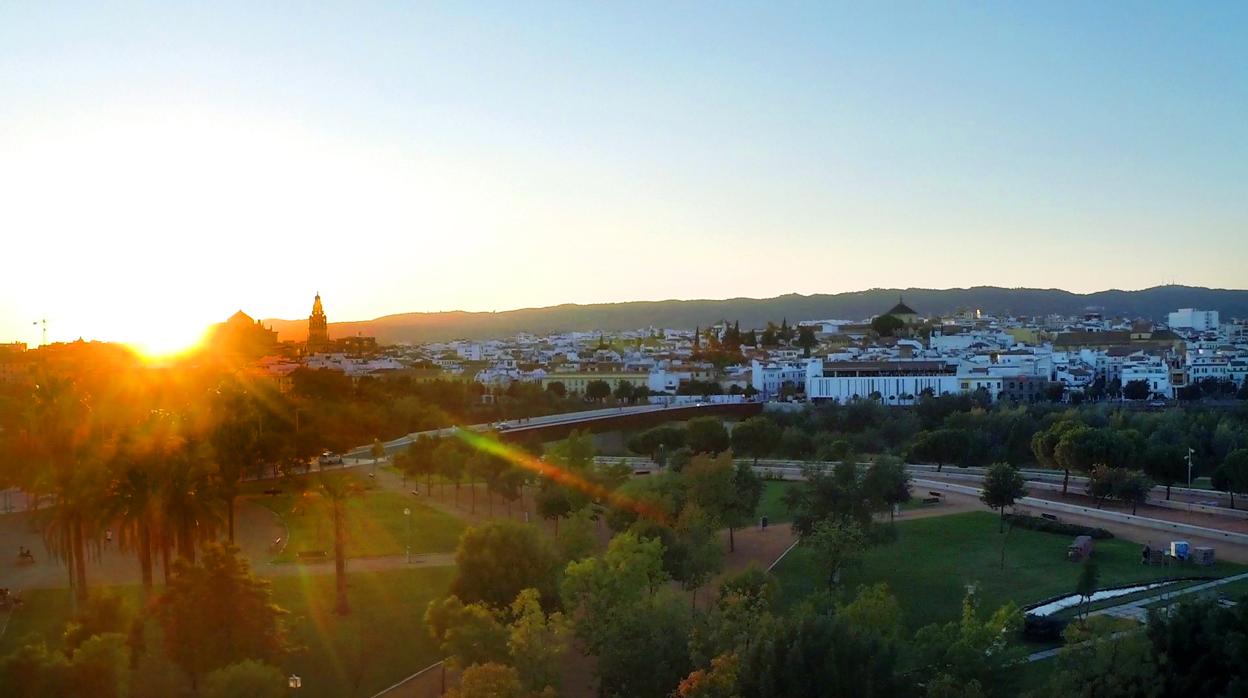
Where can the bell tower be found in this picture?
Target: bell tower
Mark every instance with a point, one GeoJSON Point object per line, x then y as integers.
{"type": "Point", "coordinates": [318, 326]}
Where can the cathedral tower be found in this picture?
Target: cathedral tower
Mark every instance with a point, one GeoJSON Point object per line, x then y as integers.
{"type": "Point", "coordinates": [318, 326]}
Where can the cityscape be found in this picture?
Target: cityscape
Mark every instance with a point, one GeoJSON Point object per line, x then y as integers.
{"type": "Point", "coordinates": [658, 351]}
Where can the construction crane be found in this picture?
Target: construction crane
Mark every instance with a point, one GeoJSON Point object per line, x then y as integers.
{"type": "Point", "coordinates": [44, 323]}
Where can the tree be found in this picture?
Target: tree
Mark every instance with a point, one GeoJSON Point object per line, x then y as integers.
{"type": "Point", "coordinates": [1079, 449]}
{"type": "Point", "coordinates": [1232, 476]}
{"type": "Point", "coordinates": [451, 457]}
{"type": "Point", "coordinates": [336, 489]}
{"type": "Point", "coordinates": [875, 610]}
{"type": "Point", "coordinates": [217, 613]}
{"type": "Point", "coordinates": [747, 491]}
{"type": "Point", "coordinates": [1101, 660]}
{"type": "Point", "coordinates": [489, 680]}
{"type": "Point", "coordinates": [940, 446]}
{"type": "Point", "coordinates": [245, 678]}
{"type": "Point", "coordinates": [796, 443]}
{"type": "Point", "coordinates": [697, 549]}
{"type": "Point", "coordinates": [886, 325]}
{"type": "Point", "coordinates": [377, 451]}
{"type": "Point", "coordinates": [626, 618]}
{"type": "Point", "coordinates": [624, 391]}
{"type": "Point", "coordinates": [973, 651]}
{"type": "Point", "coordinates": [707, 435]}
{"type": "Point", "coordinates": [557, 388]}
{"type": "Point", "coordinates": [806, 339]}
{"type": "Point", "coordinates": [467, 634]}
{"type": "Point", "coordinates": [755, 437]}
{"type": "Point", "coordinates": [496, 560]}
{"type": "Point", "coordinates": [1136, 390]}
{"type": "Point", "coordinates": [657, 441]}
{"type": "Point", "coordinates": [813, 654]}
{"type": "Point", "coordinates": [888, 482]}
{"type": "Point", "coordinates": [837, 546]}
{"type": "Point", "coordinates": [1133, 488]}
{"type": "Point", "coordinates": [1003, 485]}
{"type": "Point", "coordinates": [1086, 585]}
{"type": "Point", "coordinates": [597, 390]}
{"type": "Point", "coordinates": [710, 483]}
{"type": "Point", "coordinates": [537, 642]}
{"type": "Point", "coordinates": [1198, 649]}
{"type": "Point", "coordinates": [1164, 463]}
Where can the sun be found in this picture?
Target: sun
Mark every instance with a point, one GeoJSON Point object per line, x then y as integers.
{"type": "Point", "coordinates": [162, 343]}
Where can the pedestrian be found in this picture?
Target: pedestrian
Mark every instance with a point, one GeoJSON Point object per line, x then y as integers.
{"type": "Point", "coordinates": [108, 536]}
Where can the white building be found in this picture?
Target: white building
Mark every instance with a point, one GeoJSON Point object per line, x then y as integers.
{"type": "Point", "coordinates": [1195, 320]}
{"type": "Point", "coordinates": [768, 378]}
{"type": "Point", "coordinates": [1154, 372]}
{"type": "Point", "coordinates": [892, 382]}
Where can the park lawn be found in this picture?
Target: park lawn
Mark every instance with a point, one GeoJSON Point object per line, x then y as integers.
{"type": "Point", "coordinates": [771, 504]}
{"type": "Point", "coordinates": [933, 560]}
{"type": "Point", "coordinates": [376, 524]}
{"type": "Point", "coordinates": [381, 641]}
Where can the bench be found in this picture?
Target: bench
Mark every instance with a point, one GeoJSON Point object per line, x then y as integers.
{"type": "Point", "coordinates": [272, 491]}
{"type": "Point", "coordinates": [931, 500]}
{"type": "Point", "coordinates": [1050, 517]}
{"type": "Point", "coordinates": [937, 495]}
{"type": "Point", "coordinates": [312, 555]}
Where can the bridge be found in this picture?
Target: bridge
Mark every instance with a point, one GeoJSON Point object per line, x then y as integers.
{"type": "Point", "coordinates": [553, 427]}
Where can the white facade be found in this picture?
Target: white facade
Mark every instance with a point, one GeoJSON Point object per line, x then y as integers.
{"type": "Point", "coordinates": [895, 382]}
{"type": "Point", "coordinates": [1192, 319]}
{"type": "Point", "coordinates": [770, 377]}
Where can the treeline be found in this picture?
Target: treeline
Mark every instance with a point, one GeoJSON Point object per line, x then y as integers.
{"type": "Point", "coordinates": [959, 430]}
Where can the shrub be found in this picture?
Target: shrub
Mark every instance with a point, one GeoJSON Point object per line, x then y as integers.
{"type": "Point", "coordinates": [1062, 528]}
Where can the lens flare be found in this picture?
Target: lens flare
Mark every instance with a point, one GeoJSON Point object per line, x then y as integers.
{"type": "Point", "coordinates": [561, 475]}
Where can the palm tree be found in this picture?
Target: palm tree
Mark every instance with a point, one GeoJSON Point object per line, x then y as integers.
{"type": "Point", "coordinates": [337, 489]}
{"type": "Point", "coordinates": [57, 434]}
{"type": "Point", "coordinates": [133, 498]}
{"type": "Point", "coordinates": [188, 502]}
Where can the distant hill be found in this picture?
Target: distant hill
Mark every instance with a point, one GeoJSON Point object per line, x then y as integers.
{"type": "Point", "coordinates": [1152, 303]}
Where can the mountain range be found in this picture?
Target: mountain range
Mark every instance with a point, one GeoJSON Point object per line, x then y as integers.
{"type": "Point", "coordinates": [1150, 303]}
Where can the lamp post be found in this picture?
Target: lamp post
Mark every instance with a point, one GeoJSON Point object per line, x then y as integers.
{"type": "Point", "coordinates": [294, 681]}
{"type": "Point", "coordinates": [407, 514]}
{"type": "Point", "coordinates": [1190, 452]}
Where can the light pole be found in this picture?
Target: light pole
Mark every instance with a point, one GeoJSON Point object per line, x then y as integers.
{"type": "Point", "coordinates": [407, 514]}
{"type": "Point", "coordinates": [1189, 467]}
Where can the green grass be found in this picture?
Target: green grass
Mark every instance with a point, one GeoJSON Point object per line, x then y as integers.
{"type": "Point", "coordinates": [771, 504]}
{"type": "Point", "coordinates": [933, 560]}
{"type": "Point", "coordinates": [387, 611]}
{"type": "Point", "coordinates": [375, 524]}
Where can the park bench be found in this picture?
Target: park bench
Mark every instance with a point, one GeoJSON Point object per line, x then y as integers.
{"type": "Point", "coordinates": [312, 555]}
{"type": "Point", "coordinates": [1050, 517]}
{"type": "Point", "coordinates": [937, 495]}
{"type": "Point", "coordinates": [273, 491]}
{"type": "Point", "coordinates": [931, 500]}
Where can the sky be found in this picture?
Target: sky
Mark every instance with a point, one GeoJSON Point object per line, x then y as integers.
{"type": "Point", "coordinates": [165, 164]}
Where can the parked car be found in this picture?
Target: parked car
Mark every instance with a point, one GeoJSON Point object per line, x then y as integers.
{"type": "Point", "coordinates": [329, 458]}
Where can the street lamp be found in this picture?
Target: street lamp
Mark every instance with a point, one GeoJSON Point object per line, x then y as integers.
{"type": "Point", "coordinates": [407, 514]}
{"type": "Point", "coordinates": [1190, 452]}
{"type": "Point", "coordinates": [294, 681]}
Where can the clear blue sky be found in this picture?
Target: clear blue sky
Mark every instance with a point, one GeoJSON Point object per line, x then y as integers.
{"type": "Point", "coordinates": [485, 157]}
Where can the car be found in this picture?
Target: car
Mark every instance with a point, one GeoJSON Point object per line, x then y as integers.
{"type": "Point", "coordinates": [329, 458]}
